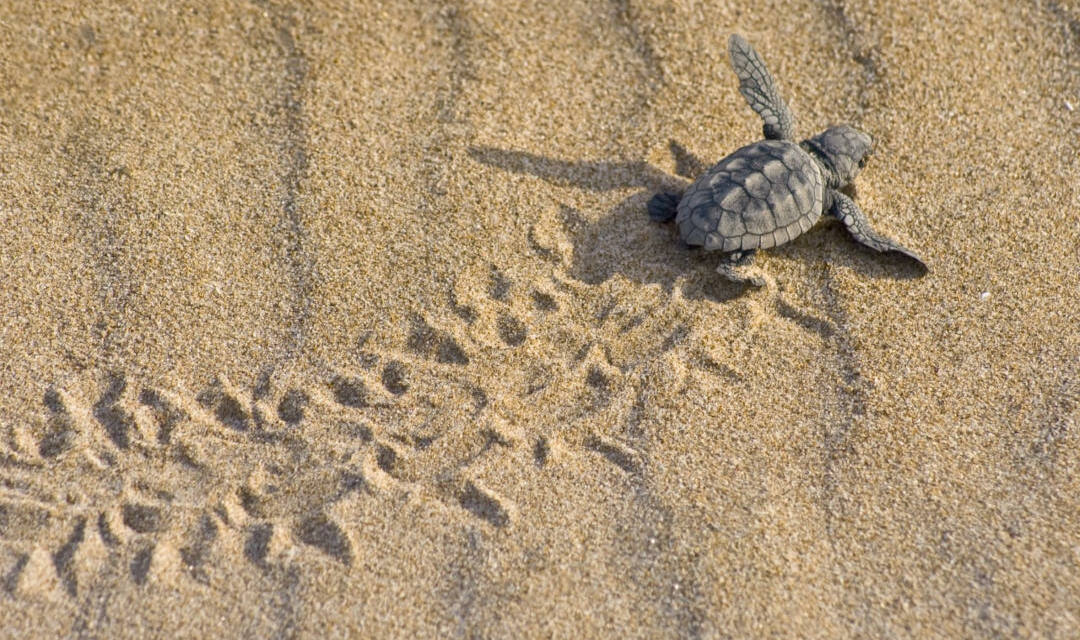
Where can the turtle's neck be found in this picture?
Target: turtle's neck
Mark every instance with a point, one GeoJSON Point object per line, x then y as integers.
{"type": "Point", "coordinates": [832, 178]}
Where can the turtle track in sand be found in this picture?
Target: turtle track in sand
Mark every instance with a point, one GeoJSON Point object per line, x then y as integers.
{"type": "Point", "coordinates": [412, 422]}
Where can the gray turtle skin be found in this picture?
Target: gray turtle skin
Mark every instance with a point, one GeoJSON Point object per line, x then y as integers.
{"type": "Point", "coordinates": [770, 192]}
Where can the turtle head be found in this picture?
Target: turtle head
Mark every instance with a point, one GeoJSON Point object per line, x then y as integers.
{"type": "Point", "coordinates": [842, 150]}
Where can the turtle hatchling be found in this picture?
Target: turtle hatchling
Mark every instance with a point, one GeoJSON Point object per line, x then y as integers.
{"type": "Point", "coordinates": [769, 192]}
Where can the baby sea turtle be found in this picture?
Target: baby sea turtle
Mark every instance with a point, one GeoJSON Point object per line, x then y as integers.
{"type": "Point", "coordinates": [769, 192]}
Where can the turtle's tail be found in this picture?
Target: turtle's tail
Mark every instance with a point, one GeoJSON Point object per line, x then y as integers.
{"type": "Point", "coordinates": [663, 207]}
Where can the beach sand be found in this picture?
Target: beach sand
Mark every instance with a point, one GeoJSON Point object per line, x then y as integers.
{"type": "Point", "coordinates": [347, 318]}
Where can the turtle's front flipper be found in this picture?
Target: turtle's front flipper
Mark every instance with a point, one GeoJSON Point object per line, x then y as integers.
{"type": "Point", "coordinates": [845, 209]}
{"type": "Point", "coordinates": [736, 268]}
{"type": "Point", "coordinates": [760, 90]}
{"type": "Point", "coordinates": [664, 206]}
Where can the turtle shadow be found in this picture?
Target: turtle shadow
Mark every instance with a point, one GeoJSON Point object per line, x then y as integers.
{"type": "Point", "coordinates": [583, 174]}
{"type": "Point", "coordinates": [625, 241]}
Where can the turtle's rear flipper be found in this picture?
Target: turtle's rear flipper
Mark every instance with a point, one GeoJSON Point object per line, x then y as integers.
{"type": "Point", "coordinates": [736, 268]}
{"type": "Point", "coordinates": [845, 210]}
{"type": "Point", "coordinates": [663, 207]}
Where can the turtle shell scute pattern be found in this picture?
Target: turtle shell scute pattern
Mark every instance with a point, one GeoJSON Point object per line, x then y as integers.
{"type": "Point", "coordinates": [760, 196]}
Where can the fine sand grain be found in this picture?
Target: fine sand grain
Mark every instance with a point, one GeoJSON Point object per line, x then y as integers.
{"type": "Point", "coordinates": [328, 318]}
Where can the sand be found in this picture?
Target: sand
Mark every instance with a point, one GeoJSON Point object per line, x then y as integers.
{"type": "Point", "coordinates": [347, 318]}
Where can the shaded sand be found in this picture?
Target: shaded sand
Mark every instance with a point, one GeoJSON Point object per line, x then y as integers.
{"type": "Point", "coordinates": [349, 316]}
